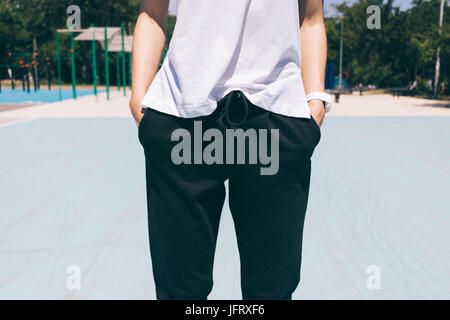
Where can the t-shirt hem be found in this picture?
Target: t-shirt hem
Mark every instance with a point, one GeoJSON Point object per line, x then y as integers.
{"type": "Point", "coordinates": [290, 110]}
{"type": "Point", "coordinates": [181, 111]}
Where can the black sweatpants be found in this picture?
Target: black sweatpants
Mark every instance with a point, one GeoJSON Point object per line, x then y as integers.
{"type": "Point", "coordinates": [185, 203]}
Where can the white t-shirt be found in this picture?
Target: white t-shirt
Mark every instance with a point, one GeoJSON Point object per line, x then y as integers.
{"type": "Point", "coordinates": [224, 45]}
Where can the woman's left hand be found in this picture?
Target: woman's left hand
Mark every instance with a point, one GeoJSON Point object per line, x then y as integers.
{"type": "Point", "coordinates": [317, 111]}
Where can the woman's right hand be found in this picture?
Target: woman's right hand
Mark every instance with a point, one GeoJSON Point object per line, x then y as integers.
{"type": "Point", "coordinates": [136, 110]}
{"type": "Point", "coordinates": [148, 44]}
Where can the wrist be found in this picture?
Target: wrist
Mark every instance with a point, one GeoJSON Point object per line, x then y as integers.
{"type": "Point", "coordinates": [322, 97]}
{"type": "Point", "coordinates": [316, 103]}
{"type": "Point", "coordinates": [136, 99]}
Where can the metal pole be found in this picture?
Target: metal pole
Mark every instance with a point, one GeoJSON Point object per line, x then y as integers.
{"type": "Point", "coordinates": [129, 59]}
{"type": "Point", "coordinates": [35, 76]}
{"type": "Point", "coordinates": [106, 65]}
{"type": "Point", "coordinates": [28, 78]}
{"type": "Point", "coordinates": [12, 71]}
{"type": "Point", "coordinates": [94, 62]}
{"type": "Point", "coordinates": [23, 77]}
{"type": "Point", "coordinates": [438, 53]}
{"type": "Point", "coordinates": [49, 85]}
{"type": "Point", "coordinates": [341, 53]}
{"type": "Point", "coordinates": [72, 53]}
{"type": "Point", "coordinates": [124, 79]}
{"type": "Point", "coordinates": [58, 59]}
{"type": "Point", "coordinates": [118, 70]}
{"type": "Point", "coordinates": [47, 69]}
{"type": "Point", "coordinates": [13, 85]}
{"type": "Point", "coordinates": [129, 70]}
{"type": "Point", "coordinates": [47, 65]}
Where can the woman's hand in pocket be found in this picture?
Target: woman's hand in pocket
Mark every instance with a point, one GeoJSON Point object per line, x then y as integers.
{"type": "Point", "coordinates": [317, 109]}
{"type": "Point", "coordinates": [136, 110]}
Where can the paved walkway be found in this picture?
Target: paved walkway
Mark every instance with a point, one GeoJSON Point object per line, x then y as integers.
{"type": "Point", "coordinates": [72, 192]}
{"type": "Point", "coordinates": [367, 105]}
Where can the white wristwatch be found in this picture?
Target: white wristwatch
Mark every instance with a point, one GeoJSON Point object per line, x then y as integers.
{"type": "Point", "coordinates": [322, 96]}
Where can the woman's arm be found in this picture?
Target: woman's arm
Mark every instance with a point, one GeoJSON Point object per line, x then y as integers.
{"type": "Point", "coordinates": [148, 44]}
{"type": "Point", "coordinates": [314, 52]}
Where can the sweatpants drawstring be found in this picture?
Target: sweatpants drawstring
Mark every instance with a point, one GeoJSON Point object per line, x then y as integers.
{"type": "Point", "coordinates": [232, 108]}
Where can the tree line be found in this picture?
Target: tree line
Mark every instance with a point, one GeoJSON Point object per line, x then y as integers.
{"type": "Point", "coordinates": [23, 21]}
{"type": "Point", "coordinates": [401, 52]}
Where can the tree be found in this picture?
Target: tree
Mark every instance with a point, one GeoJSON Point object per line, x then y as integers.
{"type": "Point", "coordinates": [403, 50]}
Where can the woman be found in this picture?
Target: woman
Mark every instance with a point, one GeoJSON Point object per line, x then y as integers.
{"type": "Point", "coordinates": [234, 69]}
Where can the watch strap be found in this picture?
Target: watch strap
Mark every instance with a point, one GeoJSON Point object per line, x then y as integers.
{"type": "Point", "coordinates": [323, 96]}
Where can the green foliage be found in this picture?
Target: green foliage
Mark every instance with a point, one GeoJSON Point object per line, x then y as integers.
{"type": "Point", "coordinates": [402, 51]}
{"type": "Point", "coordinates": [171, 20]}
{"type": "Point", "coordinates": [23, 20]}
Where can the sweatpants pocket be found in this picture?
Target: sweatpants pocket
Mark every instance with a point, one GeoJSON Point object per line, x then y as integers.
{"type": "Point", "coordinates": [317, 130]}
{"type": "Point", "coordinates": [141, 126]}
